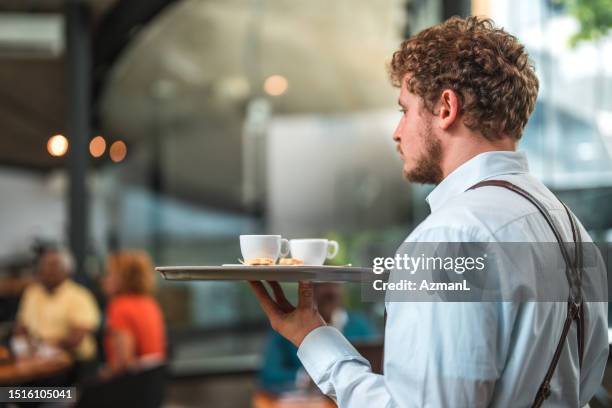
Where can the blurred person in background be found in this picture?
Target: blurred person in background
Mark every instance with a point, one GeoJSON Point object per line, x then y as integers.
{"type": "Point", "coordinates": [135, 330]}
{"type": "Point", "coordinates": [281, 370]}
{"type": "Point", "coordinates": [57, 312]}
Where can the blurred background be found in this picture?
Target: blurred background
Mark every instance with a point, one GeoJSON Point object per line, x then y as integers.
{"type": "Point", "coordinates": [173, 126]}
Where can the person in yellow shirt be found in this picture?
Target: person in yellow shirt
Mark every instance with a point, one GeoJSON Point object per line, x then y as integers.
{"type": "Point", "coordinates": [58, 311]}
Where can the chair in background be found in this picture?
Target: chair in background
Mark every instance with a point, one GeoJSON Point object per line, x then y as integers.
{"type": "Point", "coordinates": [135, 389]}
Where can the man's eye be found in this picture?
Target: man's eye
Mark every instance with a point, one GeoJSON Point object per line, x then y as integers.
{"type": "Point", "coordinates": [402, 110]}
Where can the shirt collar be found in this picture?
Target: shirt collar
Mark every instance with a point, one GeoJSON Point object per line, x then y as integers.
{"type": "Point", "coordinates": [480, 167]}
{"type": "Point", "coordinates": [63, 286]}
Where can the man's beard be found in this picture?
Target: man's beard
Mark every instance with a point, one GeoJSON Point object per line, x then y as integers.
{"type": "Point", "coordinates": [427, 169]}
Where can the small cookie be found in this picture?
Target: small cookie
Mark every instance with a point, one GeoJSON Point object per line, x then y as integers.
{"type": "Point", "coordinates": [258, 261]}
{"type": "Point", "coordinates": [290, 261]}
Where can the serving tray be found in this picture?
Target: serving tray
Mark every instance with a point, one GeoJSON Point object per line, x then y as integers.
{"type": "Point", "coordinates": [281, 273]}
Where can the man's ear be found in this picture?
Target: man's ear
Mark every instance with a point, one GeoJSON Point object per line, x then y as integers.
{"type": "Point", "coordinates": [448, 108]}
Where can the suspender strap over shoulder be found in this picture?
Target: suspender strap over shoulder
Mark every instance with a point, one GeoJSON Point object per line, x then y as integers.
{"type": "Point", "coordinates": [575, 306]}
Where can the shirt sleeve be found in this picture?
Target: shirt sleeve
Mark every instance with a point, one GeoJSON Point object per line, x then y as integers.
{"type": "Point", "coordinates": [437, 354]}
{"type": "Point", "coordinates": [341, 372]}
{"type": "Point", "coordinates": [435, 368]}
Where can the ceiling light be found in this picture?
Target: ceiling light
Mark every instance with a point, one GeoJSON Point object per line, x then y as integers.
{"type": "Point", "coordinates": [57, 145]}
{"type": "Point", "coordinates": [276, 85]}
{"type": "Point", "coordinates": [118, 151]}
{"type": "Point", "coordinates": [97, 146]}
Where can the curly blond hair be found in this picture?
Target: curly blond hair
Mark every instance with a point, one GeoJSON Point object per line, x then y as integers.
{"type": "Point", "coordinates": [486, 67]}
{"type": "Point", "coordinates": [134, 272]}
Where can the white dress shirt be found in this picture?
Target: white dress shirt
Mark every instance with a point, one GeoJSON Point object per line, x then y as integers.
{"type": "Point", "coordinates": [443, 354]}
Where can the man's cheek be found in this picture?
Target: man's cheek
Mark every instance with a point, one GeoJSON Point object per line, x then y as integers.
{"type": "Point", "coordinates": [409, 150]}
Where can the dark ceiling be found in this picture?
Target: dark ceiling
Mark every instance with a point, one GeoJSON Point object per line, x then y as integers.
{"type": "Point", "coordinates": [33, 89]}
{"type": "Point", "coordinates": [32, 108]}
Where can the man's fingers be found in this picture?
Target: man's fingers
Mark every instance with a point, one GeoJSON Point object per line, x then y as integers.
{"type": "Point", "coordinates": [279, 295]}
{"type": "Point", "coordinates": [305, 295]}
{"type": "Point", "coordinates": [268, 305]}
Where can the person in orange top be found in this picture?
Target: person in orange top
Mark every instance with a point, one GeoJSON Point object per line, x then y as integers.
{"type": "Point", "coordinates": [135, 329]}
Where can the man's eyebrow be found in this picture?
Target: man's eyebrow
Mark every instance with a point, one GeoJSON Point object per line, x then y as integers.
{"type": "Point", "coordinates": [399, 102]}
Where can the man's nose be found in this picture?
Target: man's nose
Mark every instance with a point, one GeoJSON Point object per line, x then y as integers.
{"type": "Point", "coordinates": [396, 134]}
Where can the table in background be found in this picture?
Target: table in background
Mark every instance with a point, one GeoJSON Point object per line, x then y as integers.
{"type": "Point", "coordinates": [28, 369]}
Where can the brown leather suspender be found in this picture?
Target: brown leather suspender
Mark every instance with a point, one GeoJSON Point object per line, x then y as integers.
{"type": "Point", "coordinates": [575, 305]}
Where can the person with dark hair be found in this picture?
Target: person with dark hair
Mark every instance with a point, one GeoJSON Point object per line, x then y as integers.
{"type": "Point", "coordinates": [467, 90]}
{"type": "Point", "coordinates": [58, 311]}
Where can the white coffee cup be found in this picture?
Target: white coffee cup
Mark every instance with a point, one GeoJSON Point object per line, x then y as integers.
{"type": "Point", "coordinates": [263, 246]}
{"type": "Point", "coordinates": [313, 251]}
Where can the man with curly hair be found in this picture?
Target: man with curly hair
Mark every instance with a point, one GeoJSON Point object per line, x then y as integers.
{"type": "Point", "coordinates": [467, 90]}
